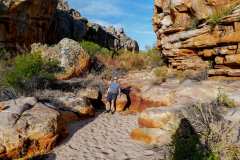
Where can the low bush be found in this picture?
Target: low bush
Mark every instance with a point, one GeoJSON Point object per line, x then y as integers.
{"type": "Point", "coordinates": [220, 13]}
{"type": "Point", "coordinates": [223, 99]}
{"type": "Point", "coordinates": [215, 134]}
{"type": "Point", "coordinates": [132, 61]}
{"type": "Point", "coordinates": [162, 73]}
{"type": "Point", "coordinates": [94, 49]}
{"type": "Point", "coordinates": [123, 59]}
{"type": "Point", "coordinates": [29, 71]}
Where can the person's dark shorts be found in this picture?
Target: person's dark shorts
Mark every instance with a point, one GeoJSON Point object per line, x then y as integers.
{"type": "Point", "coordinates": [111, 97]}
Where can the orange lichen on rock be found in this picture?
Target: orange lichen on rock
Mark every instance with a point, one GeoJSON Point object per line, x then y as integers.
{"type": "Point", "coordinates": [139, 135]}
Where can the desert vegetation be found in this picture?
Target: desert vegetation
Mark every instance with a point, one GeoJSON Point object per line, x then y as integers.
{"type": "Point", "coordinates": [220, 12]}
{"type": "Point", "coordinates": [28, 72]}
{"type": "Point", "coordinates": [205, 135]}
{"type": "Point", "coordinates": [124, 59]}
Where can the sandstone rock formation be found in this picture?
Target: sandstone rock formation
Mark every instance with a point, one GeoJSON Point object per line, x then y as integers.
{"type": "Point", "coordinates": [195, 34]}
{"type": "Point", "coordinates": [31, 127]}
{"type": "Point", "coordinates": [69, 23]}
{"type": "Point", "coordinates": [25, 22]}
{"type": "Point", "coordinates": [176, 102]}
{"type": "Point", "coordinates": [28, 128]}
{"type": "Point", "coordinates": [72, 58]}
{"type": "Point", "coordinates": [111, 38]}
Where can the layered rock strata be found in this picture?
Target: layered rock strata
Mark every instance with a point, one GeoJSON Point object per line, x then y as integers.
{"type": "Point", "coordinates": [199, 34]}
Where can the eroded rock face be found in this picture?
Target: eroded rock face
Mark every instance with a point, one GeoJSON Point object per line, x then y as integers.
{"type": "Point", "coordinates": [189, 39]}
{"type": "Point", "coordinates": [69, 23]}
{"type": "Point", "coordinates": [111, 38]}
{"type": "Point", "coordinates": [49, 21]}
{"type": "Point", "coordinates": [25, 22]}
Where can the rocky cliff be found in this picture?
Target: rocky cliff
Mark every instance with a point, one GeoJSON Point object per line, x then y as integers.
{"type": "Point", "coordinates": [25, 22]}
{"type": "Point", "coordinates": [196, 34]}
{"type": "Point", "coordinates": [69, 23]}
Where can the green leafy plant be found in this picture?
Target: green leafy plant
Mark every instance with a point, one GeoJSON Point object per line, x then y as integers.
{"type": "Point", "coordinates": [215, 134]}
{"type": "Point", "coordinates": [30, 71]}
{"type": "Point", "coordinates": [94, 49]}
{"type": "Point", "coordinates": [220, 13]}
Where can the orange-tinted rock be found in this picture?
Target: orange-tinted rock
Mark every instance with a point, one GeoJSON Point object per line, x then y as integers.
{"type": "Point", "coordinates": [30, 127]}
{"type": "Point", "coordinates": [68, 116]}
{"type": "Point", "coordinates": [232, 59]}
{"type": "Point", "coordinates": [2, 107]}
{"type": "Point", "coordinates": [35, 15]}
{"type": "Point", "coordinates": [200, 33]}
{"type": "Point", "coordinates": [151, 136]}
{"type": "Point", "coordinates": [219, 60]}
{"type": "Point", "coordinates": [206, 53]}
{"type": "Point", "coordinates": [157, 119]}
{"type": "Point", "coordinates": [122, 102]}
{"type": "Point", "coordinates": [79, 105]}
{"type": "Point", "coordinates": [86, 111]}
{"type": "Point", "coordinates": [139, 135]}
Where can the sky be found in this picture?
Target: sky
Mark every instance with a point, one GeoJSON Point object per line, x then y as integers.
{"type": "Point", "coordinates": [135, 16]}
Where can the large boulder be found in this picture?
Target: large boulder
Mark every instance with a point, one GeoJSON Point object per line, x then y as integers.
{"type": "Point", "coordinates": [73, 59]}
{"type": "Point", "coordinates": [199, 34]}
{"type": "Point", "coordinates": [28, 128]}
{"type": "Point", "coordinates": [25, 22]}
{"type": "Point", "coordinates": [79, 105]}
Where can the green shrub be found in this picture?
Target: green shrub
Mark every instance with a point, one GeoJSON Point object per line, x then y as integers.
{"type": "Point", "coordinates": [215, 134]}
{"type": "Point", "coordinates": [131, 61]}
{"type": "Point", "coordinates": [153, 58]}
{"type": "Point", "coordinates": [223, 99]}
{"type": "Point", "coordinates": [123, 59]}
{"type": "Point", "coordinates": [5, 54]}
{"type": "Point", "coordinates": [93, 49]}
{"type": "Point", "coordinates": [29, 70]}
{"type": "Point", "coordinates": [220, 13]}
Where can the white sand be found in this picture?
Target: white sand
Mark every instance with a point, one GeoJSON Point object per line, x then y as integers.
{"type": "Point", "coordinates": [105, 137]}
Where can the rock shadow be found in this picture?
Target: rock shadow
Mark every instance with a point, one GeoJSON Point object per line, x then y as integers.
{"type": "Point", "coordinates": [187, 144]}
{"type": "Point", "coordinates": [127, 92]}
{"type": "Point", "coordinates": [50, 156]}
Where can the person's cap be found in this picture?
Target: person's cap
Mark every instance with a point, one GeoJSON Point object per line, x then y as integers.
{"type": "Point", "coordinates": [115, 78]}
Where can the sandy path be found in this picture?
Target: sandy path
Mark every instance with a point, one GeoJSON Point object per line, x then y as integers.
{"type": "Point", "coordinates": [103, 138]}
